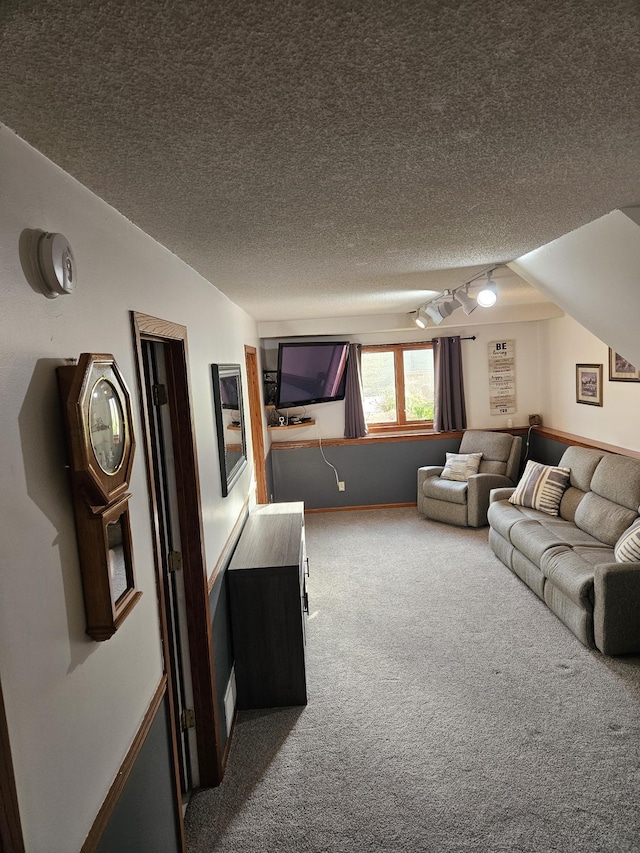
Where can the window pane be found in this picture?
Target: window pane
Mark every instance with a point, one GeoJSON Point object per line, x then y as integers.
{"type": "Point", "coordinates": [379, 387]}
{"type": "Point", "coordinates": [418, 384]}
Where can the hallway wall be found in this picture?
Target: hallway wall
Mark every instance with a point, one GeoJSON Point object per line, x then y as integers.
{"type": "Point", "coordinates": [74, 705]}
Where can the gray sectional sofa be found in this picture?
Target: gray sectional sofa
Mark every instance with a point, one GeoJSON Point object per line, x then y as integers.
{"type": "Point", "coordinates": [568, 560]}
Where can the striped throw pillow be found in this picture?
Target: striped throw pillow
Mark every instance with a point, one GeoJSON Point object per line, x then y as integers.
{"type": "Point", "coordinates": [627, 549]}
{"type": "Point", "coordinates": [541, 487]}
{"type": "Point", "coordinates": [460, 466]}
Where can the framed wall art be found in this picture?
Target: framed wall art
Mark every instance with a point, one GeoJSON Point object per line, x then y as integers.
{"type": "Point", "coordinates": [621, 370]}
{"type": "Point", "coordinates": [589, 384]}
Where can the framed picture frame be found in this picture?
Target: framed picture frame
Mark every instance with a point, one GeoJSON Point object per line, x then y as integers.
{"type": "Point", "coordinates": [621, 370]}
{"type": "Point", "coordinates": [589, 384]}
{"type": "Point", "coordinates": [229, 416]}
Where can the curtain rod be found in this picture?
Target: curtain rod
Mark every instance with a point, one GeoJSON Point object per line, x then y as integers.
{"type": "Point", "coordinates": [413, 343]}
{"type": "Point", "coordinates": [470, 338]}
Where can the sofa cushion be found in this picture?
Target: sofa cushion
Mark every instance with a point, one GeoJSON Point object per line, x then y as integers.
{"type": "Point", "coordinates": [502, 516]}
{"type": "Point", "coordinates": [583, 462]}
{"type": "Point", "coordinates": [571, 570]}
{"type": "Point", "coordinates": [570, 503]}
{"type": "Point", "coordinates": [541, 487]}
{"type": "Point", "coordinates": [445, 490]}
{"type": "Point", "coordinates": [532, 539]}
{"type": "Point", "coordinates": [603, 519]}
{"type": "Point", "coordinates": [627, 549]}
{"type": "Point", "coordinates": [461, 466]}
{"type": "Point", "coordinates": [617, 478]}
{"type": "Point", "coordinates": [569, 533]}
{"type": "Point", "coordinates": [570, 574]}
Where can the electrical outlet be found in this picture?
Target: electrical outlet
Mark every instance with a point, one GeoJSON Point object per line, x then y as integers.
{"type": "Point", "coordinates": [341, 485]}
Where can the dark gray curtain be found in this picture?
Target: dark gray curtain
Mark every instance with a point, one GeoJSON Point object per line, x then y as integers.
{"type": "Point", "coordinates": [354, 423]}
{"type": "Point", "coordinates": [450, 411]}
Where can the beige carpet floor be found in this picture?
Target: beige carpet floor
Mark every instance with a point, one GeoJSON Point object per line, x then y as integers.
{"type": "Point", "coordinates": [449, 711]}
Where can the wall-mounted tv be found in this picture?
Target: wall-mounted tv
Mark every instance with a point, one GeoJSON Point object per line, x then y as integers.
{"type": "Point", "coordinates": [311, 373]}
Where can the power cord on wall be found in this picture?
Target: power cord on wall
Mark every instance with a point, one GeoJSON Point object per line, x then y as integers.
{"type": "Point", "coordinates": [335, 470]}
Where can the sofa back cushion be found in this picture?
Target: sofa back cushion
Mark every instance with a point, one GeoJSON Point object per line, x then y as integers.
{"type": "Point", "coordinates": [602, 518]}
{"type": "Point", "coordinates": [617, 478]}
{"type": "Point", "coordinates": [583, 462]}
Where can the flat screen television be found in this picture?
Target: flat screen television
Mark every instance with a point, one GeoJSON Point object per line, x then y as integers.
{"type": "Point", "coordinates": [311, 373]}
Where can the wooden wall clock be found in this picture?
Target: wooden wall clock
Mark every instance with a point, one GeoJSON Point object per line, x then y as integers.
{"type": "Point", "coordinates": [99, 423]}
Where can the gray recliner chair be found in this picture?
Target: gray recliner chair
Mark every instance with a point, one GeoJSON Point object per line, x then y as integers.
{"type": "Point", "coordinates": [466, 503]}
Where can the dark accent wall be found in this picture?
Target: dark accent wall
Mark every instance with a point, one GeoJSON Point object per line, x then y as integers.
{"type": "Point", "coordinates": [144, 819]}
{"type": "Point", "coordinates": [546, 450]}
{"type": "Point", "coordinates": [269, 475]}
{"type": "Point", "coordinates": [378, 473]}
{"type": "Point", "coordinates": [222, 646]}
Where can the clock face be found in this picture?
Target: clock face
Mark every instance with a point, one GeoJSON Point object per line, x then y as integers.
{"type": "Point", "coordinates": [107, 426]}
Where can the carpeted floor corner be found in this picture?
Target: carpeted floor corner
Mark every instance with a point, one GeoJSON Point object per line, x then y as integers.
{"type": "Point", "coordinates": [449, 711]}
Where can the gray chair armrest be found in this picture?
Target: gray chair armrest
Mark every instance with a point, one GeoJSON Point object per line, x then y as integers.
{"type": "Point", "coordinates": [502, 494]}
{"type": "Point", "coordinates": [423, 475]}
{"type": "Point", "coordinates": [616, 608]}
{"type": "Point", "coordinates": [478, 491]}
{"type": "Point", "coordinates": [428, 471]}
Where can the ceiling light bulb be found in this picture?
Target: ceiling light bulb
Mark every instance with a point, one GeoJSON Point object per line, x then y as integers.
{"type": "Point", "coordinates": [489, 294]}
{"type": "Point", "coordinates": [421, 319]}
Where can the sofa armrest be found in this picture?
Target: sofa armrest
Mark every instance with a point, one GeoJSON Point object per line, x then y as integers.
{"type": "Point", "coordinates": [478, 491]}
{"type": "Point", "coordinates": [616, 608]}
{"type": "Point", "coordinates": [502, 494]}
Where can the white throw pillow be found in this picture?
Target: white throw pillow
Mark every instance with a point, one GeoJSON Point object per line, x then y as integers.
{"type": "Point", "coordinates": [541, 487]}
{"type": "Point", "coordinates": [627, 548]}
{"type": "Point", "coordinates": [460, 466]}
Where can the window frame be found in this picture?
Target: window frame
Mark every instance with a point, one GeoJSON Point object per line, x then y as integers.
{"type": "Point", "coordinates": [401, 424]}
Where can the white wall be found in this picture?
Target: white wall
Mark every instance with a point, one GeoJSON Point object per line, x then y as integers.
{"type": "Point", "coordinates": [329, 417]}
{"type": "Point", "coordinates": [616, 422]}
{"type": "Point", "coordinates": [73, 705]}
{"type": "Point", "coordinates": [592, 274]}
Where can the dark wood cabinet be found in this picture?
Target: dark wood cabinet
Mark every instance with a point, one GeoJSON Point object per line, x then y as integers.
{"type": "Point", "coordinates": [269, 606]}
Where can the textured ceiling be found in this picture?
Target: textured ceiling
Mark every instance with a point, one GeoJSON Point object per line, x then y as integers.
{"type": "Point", "coordinates": [325, 158]}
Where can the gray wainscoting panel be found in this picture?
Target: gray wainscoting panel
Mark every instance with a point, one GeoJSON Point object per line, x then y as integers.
{"type": "Point", "coordinates": [222, 646]}
{"type": "Point", "coordinates": [378, 473]}
{"type": "Point", "coordinates": [145, 819]}
{"type": "Point", "coordinates": [546, 450]}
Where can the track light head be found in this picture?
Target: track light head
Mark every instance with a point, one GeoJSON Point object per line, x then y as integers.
{"type": "Point", "coordinates": [466, 302]}
{"type": "Point", "coordinates": [439, 312]}
{"type": "Point", "coordinates": [488, 296]}
{"type": "Point", "coordinates": [421, 319]}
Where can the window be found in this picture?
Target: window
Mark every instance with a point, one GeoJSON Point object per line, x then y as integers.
{"type": "Point", "coordinates": [397, 384]}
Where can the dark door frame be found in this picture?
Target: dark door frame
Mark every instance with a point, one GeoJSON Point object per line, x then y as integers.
{"type": "Point", "coordinates": [174, 338]}
{"type": "Point", "coordinates": [11, 840]}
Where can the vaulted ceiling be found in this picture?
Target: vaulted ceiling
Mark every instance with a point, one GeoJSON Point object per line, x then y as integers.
{"type": "Point", "coordinates": [326, 158]}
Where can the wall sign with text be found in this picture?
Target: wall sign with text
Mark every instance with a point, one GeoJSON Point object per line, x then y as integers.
{"type": "Point", "coordinates": [502, 377]}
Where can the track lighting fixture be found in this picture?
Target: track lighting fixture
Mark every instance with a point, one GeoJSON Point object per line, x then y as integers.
{"type": "Point", "coordinates": [445, 303]}
{"type": "Point", "coordinates": [488, 296]}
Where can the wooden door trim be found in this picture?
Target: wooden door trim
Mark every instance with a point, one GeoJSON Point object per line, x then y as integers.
{"type": "Point", "coordinates": [11, 840]}
{"type": "Point", "coordinates": [174, 336]}
{"type": "Point", "coordinates": [255, 416]}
